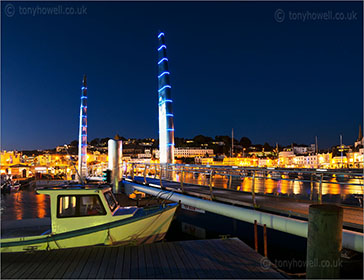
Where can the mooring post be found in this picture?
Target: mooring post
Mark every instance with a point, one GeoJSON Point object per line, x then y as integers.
{"type": "Point", "coordinates": [265, 240]}
{"type": "Point", "coordinates": [155, 171]}
{"type": "Point", "coordinates": [210, 185]}
{"type": "Point", "coordinates": [256, 235]}
{"type": "Point", "coordinates": [311, 192]}
{"type": "Point", "coordinates": [253, 189]}
{"type": "Point", "coordinates": [160, 176]}
{"type": "Point", "coordinates": [320, 189]}
{"type": "Point", "coordinates": [145, 173]}
{"type": "Point", "coordinates": [324, 241]}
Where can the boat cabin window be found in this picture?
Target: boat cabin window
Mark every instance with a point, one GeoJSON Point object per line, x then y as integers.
{"type": "Point", "coordinates": [79, 205]}
{"type": "Point", "coordinates": [110, 198]}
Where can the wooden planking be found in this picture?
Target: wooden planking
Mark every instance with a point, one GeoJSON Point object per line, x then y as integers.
{"type": "Point", "coordinates": [141, 263]}
{"type": "Point", "coordinates": [193, 261]}
{"type": "Point", "coordinates": [174, 272]}
{"type": "Point", "coordinates": [111, 263]}
{"type": "Point", "coordinates": [134, 273]}
{"type": "Point", "coordinates": [29, 266]}
{"type": "Point", "coordinates": [62, 256]}
{"type": "Point", "coordinates": [77, 271]}
{"type": "Point", "coordinates": [126, 264]}
{"type": "Point", "coordinates": [16, 264]}
{"type": "Point", "coordinates": [185, 261]}
{"type": "Point", "coordinates": [163, 261]}
{"type": "Point", "coordinates": [68, 259]}
{"type": "Point", "coordinates": [119, 263]}
{"type": "Point", "coordinates": [230, 258]}
{"type": "Point", "coordinates": [149, 262]}
{"type": "Point", "coordinates": [96, 263]}
{"type": "Point", "coordinates": [89, 263]}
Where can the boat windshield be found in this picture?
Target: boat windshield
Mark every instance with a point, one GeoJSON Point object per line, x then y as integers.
{"type": "Point", "coordinates": [111, 200]}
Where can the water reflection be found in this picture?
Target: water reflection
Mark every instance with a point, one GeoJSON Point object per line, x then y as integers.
{"type": "Point", "coordinates": [276, 186]}
{"type": "Point", "coordinates": [24, 205]}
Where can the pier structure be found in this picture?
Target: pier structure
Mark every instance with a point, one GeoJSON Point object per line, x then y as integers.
{"type": "Point", "coordinates": [245, 206]}
{"type": "Point", "coordinates": [166, 126]}
{"type": "Point", "coordinates": [82, 138]}
{"type": "Point", "coordinates": [195, 259]}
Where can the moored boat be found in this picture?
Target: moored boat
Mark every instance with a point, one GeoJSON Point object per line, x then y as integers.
{"type": "Point", "coordinates": [86, 216]}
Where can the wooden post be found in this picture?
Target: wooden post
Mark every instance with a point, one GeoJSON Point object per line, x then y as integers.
{"type": "Point", "coordinates": [265, 240]}
{"type": "Point", "coordinates": [155, 171]}
{"type": "Point", "coordinates": [320, 189]}
{"type": "Point", "coordinates": [230, 179]}
{"type": "Point", "coordinates": [311, 192]}
{"type": "Point", "coordinates": [210, 185]}
{"type": "Point", "coordinates": [324, 241]}
{"type": "Point", "coordinates": [160, 176]}
{"type": "Point", "coordinates": [253, 189]}
{"type": "Point", "coordinates": [145, 174]}
{"type": "Point", "coordinates": [255, 235]}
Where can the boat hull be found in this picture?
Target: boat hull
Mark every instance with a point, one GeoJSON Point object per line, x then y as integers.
{"type": "Point", "coordinates": [144, 229]}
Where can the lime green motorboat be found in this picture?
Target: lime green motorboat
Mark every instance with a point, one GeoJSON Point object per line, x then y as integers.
{"type": "Point", "coordinates": [86, 216]}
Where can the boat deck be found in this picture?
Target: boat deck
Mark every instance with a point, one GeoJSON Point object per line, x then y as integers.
{"type": "Point", "coordinates": [213, 259]}
{"type": "Point", "coordinates": [353, 216]}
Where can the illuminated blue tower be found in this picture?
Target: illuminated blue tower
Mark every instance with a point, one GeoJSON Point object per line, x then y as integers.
{"type": "Point", "coordinates": [166, 126]}
{"type": "Point", "coordinates": [82, 138]}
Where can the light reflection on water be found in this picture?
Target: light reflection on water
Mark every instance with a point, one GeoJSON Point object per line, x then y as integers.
{"type": "Point", "coordinates": [24, 205]}
{"type": "Point", "coordinates": [277, 186]}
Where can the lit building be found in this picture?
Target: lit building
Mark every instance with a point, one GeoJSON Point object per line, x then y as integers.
{"type": "Point", "coordinates": [286, 159]}
{"type": "Point", "coordinates": [240, 161]}
{"type": "Point", "coordinates": [204, 160]}
{"type": "Point", "coordinates": [192, 152]}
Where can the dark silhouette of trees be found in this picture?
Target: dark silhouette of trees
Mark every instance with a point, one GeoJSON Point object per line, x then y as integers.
{"type": "Point", "coordinates": [245, 142]}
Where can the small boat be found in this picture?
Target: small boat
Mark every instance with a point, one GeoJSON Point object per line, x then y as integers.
{"type": "Point", "coordinates": [15, 187]}
{"type": "Point", "coordinates": [87, 216]}
{"type": "Point", "coordinates": [276, 175]}
{"type": "Point", "coordinates": [342, 177]}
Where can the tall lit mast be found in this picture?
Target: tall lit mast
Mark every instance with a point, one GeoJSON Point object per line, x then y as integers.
{"type": "Point", "coordinates": [166, 126]}
{"type": "Point", "coordinates": [82, 138]}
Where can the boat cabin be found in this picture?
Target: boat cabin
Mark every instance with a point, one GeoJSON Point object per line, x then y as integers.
{"type": "Point", "coordinates": [77, 207]}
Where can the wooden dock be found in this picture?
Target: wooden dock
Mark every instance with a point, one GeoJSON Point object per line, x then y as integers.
{"type": "Point", "coordinates": [353, 216]}
{"type": "Point", "coordinates": [196, 259]}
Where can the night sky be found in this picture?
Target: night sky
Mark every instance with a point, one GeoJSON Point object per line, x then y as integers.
{"type": "Point", "coordinates": [232, 66]}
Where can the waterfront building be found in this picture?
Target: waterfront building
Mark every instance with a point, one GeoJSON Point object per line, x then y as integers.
{"type": "Point", "coordinates": [286, 159]}
{"type": "Point", "coordinates": [204, 160]}
{"type": "Point", "coordinates": [193, 152]}
{"type": "Point", "coordinates": [241, 161]}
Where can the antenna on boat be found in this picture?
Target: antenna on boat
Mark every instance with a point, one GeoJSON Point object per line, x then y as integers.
{"type": "Point", "coordinates": [74, 166]}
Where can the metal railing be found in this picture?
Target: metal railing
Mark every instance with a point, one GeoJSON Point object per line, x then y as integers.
{"type": "Point", "coordinates": [236, 174]}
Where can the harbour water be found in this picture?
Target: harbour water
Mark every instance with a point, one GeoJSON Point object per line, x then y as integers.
{"type": "Point", "coordinates": [350, 192]}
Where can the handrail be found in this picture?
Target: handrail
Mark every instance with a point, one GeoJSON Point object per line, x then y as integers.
{"type": "Point", "coordinates": [314, 176]}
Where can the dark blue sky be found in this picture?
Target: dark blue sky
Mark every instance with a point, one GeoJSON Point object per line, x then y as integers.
{"type": "Point", "coordinates": [232, 65]}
